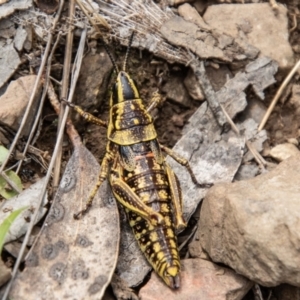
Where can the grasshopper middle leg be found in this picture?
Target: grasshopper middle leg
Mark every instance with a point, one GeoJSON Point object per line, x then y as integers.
{"type": "Point", "coordinates": [184, 162]}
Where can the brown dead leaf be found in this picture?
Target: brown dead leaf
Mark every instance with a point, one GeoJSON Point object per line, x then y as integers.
{"type": "Point", "coordinates": [73, 259]}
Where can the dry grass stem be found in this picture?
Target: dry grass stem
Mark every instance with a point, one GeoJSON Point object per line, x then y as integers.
{"type": "Point", "coordinates": [43, 192]}
{"type": "Point", "coordinates": [41, 105]}
{"type": "Point", "coordinates": [64, 88]}
{"type": "Point", "coordinates": [259, 159]}
{"type": "Point", "coordinates": [277, 96]}
{"type": "Point", "coordinates": [34, 90]}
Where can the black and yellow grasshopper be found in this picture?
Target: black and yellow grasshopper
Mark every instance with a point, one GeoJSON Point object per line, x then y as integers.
{"type": "Point", "coordinates": [139, 176]}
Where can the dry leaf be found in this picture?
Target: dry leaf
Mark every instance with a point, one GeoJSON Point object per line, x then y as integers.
{"type": "Point", "coordinates": [74, 259]}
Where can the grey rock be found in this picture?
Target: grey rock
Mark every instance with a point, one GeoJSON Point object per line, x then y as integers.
{"type": "Point", "coordinates": [90, 92]}
{"type": "Point", "coordinates": [258, 25]}
{"type": "Point", "coordinates": [295, 97]}
{"type": "Point", "coordinates": [246, 172]}
{"type": "Point", "coordinates": [13, 5]}
{"type": "Point", "coordinates": [20, 38]}
{"type": "Point", "coordinates": [9, 62]}
{"type": "Point", "coordinates": [253, 226]}
{"type": "Point", "coordinates": [192, 86]}
{"type": "Point", "coordinates": [14, 101]}
{"type": "Point", "coordinates": [177, 92]}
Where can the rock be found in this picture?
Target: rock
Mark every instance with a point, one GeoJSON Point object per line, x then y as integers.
{"type": "Point", "coordinates": [190, 14]}
{"type": "Point", "coordinates": [257, 138]}
{"type": "Point", "coordinates": [295, 98]}
{"type": "Point", "coordinates": [283, 151]}
{"type": "Point", "coordinates": [175, 90]}
{"type": "Point", "coordinates": [257, 24]}
{"type": "Point", "coordinates": [220, 76]}
{"type": "Point", "coordinates": [192, 86]}
{"type": "Point", "coordinates": [196, 251]}
{"type": "Point", "coordinates": [9, 8]}
{"type": "Point", "coordinates": [259, 74]}
{"type": "Point", "coordinates": [20, 38]}
{"type": "Point", "coordinates": [200, 279]}
{"type": "Point", "coordinates": [9, 62]}
{"type": "Point", "coordinates": [253, 226]}
{"type": "Point", "coordinates": [246, 172]}
{"type": "Point", "coordinates": [293, 141]}
{"type": "Point", "coordinates": [90, 92]}
{"type": "Point", "coordinates": [14, 102]}
{"type": "Point", "coordinates": [206, 43]}
{"type": "Point", "coordinates": [7, 28]}
{"type": "Point", "coordinates": [255, 110]}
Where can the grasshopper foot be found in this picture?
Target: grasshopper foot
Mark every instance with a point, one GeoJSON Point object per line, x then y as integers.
{"type": "Point", "coordinates": [204, 185]}
{"type": "Point", "coordinates": [80, 214]}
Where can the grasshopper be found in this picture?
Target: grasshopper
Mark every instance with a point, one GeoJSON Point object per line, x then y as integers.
{"type": "Point", "coordinates": [140, 178]}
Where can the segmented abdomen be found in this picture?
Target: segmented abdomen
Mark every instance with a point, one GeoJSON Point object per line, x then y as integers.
{"type": "Point", "coordinates": [159, 243]}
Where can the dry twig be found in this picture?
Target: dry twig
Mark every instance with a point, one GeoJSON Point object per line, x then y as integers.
{"type": "Point", "coordinates": [259, 159]}
{"type": "Point", "coordinates": [277, 96]}
{"type": "Point", "coordinates": [32, 221]}
{"type": "Point", "coordinates": [64, 88]}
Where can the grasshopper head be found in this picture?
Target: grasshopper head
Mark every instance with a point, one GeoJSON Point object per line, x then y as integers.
{"type": "Point", "coordinates": [124, 89]}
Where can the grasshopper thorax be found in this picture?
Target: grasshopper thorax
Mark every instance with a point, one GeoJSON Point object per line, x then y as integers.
{"type": "Point", "coordinates": [124, 89]}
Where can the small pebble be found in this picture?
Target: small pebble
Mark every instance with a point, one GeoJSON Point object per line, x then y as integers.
{"type": "Point", "coordinates": [283, 151]}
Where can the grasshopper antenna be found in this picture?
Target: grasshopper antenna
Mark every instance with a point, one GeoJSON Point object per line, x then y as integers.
{"type": "Point", "coordinates": [110, 56]}
{"type": "Point", "coordinates": [128, 50]}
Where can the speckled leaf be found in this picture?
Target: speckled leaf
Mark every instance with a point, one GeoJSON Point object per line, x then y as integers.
{"type": "Point", "coordinates": [74, 259]}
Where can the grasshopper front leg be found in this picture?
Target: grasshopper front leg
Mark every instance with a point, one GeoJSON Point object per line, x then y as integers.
{"type": "Point", "coordinates": [87, 116]}
{"type": "Point", "coordinates": [131, 201]}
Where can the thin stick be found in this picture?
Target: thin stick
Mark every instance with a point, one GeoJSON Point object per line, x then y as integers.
{"type": "Point", "coordinates": [39, 112]}
{"type": "Point", "coordinates": [11, 183]}
{"type": "Point", "coordinates": [277, 96]}
{"type": "Point", "coordinates": [90, 9]}
{"type": "Point", "coordinates": [64, 88]}
{"type": "Point", "coordinates": [32, 96]}
{"type": "Point", "coordinates": [259, 159]}
{"type": "Point", "coordinates": [48, 175]}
